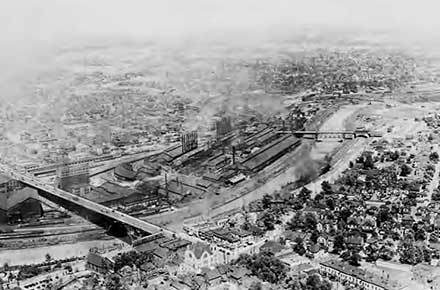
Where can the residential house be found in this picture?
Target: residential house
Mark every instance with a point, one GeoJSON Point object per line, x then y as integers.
{"type": "Point", "coordinates": [98, 263]}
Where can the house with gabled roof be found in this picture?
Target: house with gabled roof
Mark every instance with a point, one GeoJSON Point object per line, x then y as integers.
{"type": "Point", "coordinates": [197, 256]}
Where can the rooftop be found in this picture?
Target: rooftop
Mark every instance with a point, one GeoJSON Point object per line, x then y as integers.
{"type": "Point", "coordinates": [269, 151]}
{"type": "Point", "coordinates": [362, 274]}
{"type": "Point", "coordinates": [4, 178]}
{"type": "Point", "coordinates": [11, 199]}
{"type": "Point", "coordinates": [199, 248]}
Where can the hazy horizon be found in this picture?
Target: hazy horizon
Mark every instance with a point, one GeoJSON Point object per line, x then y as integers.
{"type": "Point", "coordinates": [52, 24]}
{"type": "Point", "coordinates": [33, 31]}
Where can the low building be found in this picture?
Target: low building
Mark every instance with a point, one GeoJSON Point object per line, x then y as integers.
{"type": "Point", "coordinates": [344, 272]}
{"type": "Point", "coordinates": [181, 188]}
{"type": "Point", "coordinates": [98, 263]}
{"type": "Point", "coordinates": [20, 205]}
{"type": "Point", "coordinates": [269, 153]}
{"type": "Point", "coordinates": [111, 194]}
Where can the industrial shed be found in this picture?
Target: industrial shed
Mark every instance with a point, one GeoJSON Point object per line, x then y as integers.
{"type": "Point", "coordinates": [270, 153]}
{"type": "Point", "coordinates": [20, 204]}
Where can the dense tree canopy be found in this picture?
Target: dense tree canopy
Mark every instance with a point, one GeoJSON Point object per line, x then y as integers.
{"type": "Point", "coordinates": [130, 259]}
{"type": "Point", "coordinates": [265, 266]}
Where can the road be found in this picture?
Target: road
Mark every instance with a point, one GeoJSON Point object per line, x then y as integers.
{"type": "Point", "coordinates": [85, 203]}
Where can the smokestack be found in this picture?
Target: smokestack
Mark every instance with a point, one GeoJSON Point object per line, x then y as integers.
{"type": "Point", "coordinates": [233, 154]}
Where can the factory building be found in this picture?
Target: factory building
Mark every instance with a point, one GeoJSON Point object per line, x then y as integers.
{"type": "Point", "coordinates": [18, 203]}
{"type": "Point", "coordinates": [74, 178]}
{"type": "Point", "coordinates": [170, 154]}
{"type": "Point", "coordinates": [269, 153]}
{"type": "Point", "coordinates": [181, 188]}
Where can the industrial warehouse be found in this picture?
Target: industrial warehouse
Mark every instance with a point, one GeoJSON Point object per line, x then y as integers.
{"type": "Point", "coordinates": [230, 158]}
{"type": "Point", "coordinates": [17, 202]}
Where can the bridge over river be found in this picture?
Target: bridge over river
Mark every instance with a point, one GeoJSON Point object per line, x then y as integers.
{"type": "Point", "coordinates": [133, 227]}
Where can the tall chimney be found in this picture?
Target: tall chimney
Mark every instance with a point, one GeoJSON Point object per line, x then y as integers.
{"type": "Point", "coordinates": [233, 154]}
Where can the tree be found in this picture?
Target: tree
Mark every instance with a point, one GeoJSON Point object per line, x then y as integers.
{"type": "Point", "coordinates": [314, 236]}
{"type": "Point", "coordinates": [330, 202]}
{"type": "Point", "coordinates": [420, 234]}
{"type": "Point", "coordinates": [383, 215]}
{"type": "Point", "coordinates": [28, 272]}
{"type": "Point", "coordinates": [299, 246]}
{"type": "Point", "coordinates": [315, 281]}
{"type": "Point", "coordinates": [368, 162]}
{"type": "Point", "coordinates": [48, 257]}
{"type": "Point", "coordinates": [265, 266]}
{"type": "Point", "coordinates": [94, 281]}
{"type": "Point", "coordinates": [268, 221]}
{"type": "Point", "coordinates": [353, 258]}
{"type": "Point", "coordinates": [436, 195]}
{"type": "Point", "coordinates": [326, 187]}
{"type": "Point", "coordinates": [372, 252]}
{"type": "Point", "coordinates": [114, 283]}
{"type": "Point", "coordinates": [434, 156]}
{"type": "Point", "coordinates": [339, 244]}
{"type": "Point", "coordinates": [386, 253]}
{"type": "Point", "coordinates": [318, 197]}
{"type": "Point", "coordinates": [266, 201]}
{"type": "Point", "coordinates": [296, 222]}
{"type": "Point", "coordinates": [304, 194]}
{"type": "Point", "coordinates": [394, 155]}
{"type": "Point", "coordinates": [310, 221]}
{"type": "Point", "coordinates": [344, 214]}
{"type": "Point", "coordinates": [131, 258]}
{"type": "Point", "coordinates": [293, 284]}
{"type": "Point", "coordinates": [326, 168]}
{"type": "Point", "coordinates": [405, 170]}
{"type": "Point", "coordinates": [427, 254]}
{"type": "Point", "coordinates": [409, 252]}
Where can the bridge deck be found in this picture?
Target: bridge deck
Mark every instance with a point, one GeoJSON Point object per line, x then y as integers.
{"type": "Point", "coordinates": [93, 206]}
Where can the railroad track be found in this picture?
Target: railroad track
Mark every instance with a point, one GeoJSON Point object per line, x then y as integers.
{"type": "Point", "coordinates": [41, 234]}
